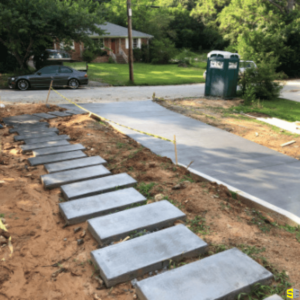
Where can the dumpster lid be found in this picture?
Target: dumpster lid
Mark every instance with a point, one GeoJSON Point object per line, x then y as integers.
{"type": "Point", "coordinates": [224, 54]}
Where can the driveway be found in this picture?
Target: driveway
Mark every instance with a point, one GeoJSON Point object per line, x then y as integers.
{"type": "Point", "coordinates": [105, 94]}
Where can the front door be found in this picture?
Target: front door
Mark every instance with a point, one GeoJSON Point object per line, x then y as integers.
{"type": "Point", "coordinates": [113, 45]}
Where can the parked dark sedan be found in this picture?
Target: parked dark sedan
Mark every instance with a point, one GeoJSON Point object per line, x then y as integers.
{"type": "Point", "coordinates": [61, 76]}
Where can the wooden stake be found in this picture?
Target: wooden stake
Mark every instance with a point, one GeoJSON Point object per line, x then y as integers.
{"type": "Point", "coordinates": [175, 150]}
{"type": "Point", "coordinates": [49, 91]}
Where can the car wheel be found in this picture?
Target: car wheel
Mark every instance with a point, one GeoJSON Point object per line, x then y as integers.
{"type": "Point", "coordinates": [73, 83]}
{"type": "Point", "coordinates": [23, 85]}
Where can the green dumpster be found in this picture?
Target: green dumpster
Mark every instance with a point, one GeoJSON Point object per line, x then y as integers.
{"type": "Point", "coordinates": [222, 74]}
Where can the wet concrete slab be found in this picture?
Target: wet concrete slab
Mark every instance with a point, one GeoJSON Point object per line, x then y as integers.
{"type": "Point", "coordinates": [127, 260]}
{"type": "Point", "coordinates": [46, 139]}
{"type": "Point", "coordinates": [243, 164]}
{"type": "Point", "coordinates": [274, 297]}
{"type": "Point", "coordinates": [34, 135]}
{"type": "Point", "coordinates": [54, 180]}
{"type": "Point", "coordinates": [80, 210]}
{"type": "Point", "coordinates": [221, 276]}
{"type": "Point", "coordinates": [75, 164]}
{"type": "Point", "coordinates": [46, 159]}
{"type": "Point", "coordinates": [97, 186]}
{"type": "Point", "coordinates": [44, 116]}
{"type": "Point", "coordinates": [119, 225]}
{"type": "Point", "coordinates": [27, 148]}
{"type": "Point", "coordinates": [58, 149]}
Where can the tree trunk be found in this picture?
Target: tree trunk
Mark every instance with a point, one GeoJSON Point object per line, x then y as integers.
{"type": "Point", "coordinates": [290, 5]}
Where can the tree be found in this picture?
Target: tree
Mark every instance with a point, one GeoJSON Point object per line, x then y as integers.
{"type": "Point", "coordinates": [26, 27]}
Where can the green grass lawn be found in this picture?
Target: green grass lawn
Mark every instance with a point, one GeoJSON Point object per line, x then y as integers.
{"type": "Point", "coordinates": [144, 74]}
{"type": "Point", "coordinates": [278, 108]}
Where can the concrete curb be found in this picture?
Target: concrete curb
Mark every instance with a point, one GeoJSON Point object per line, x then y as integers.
{"type": "Point", "coordinates": [280, 214]}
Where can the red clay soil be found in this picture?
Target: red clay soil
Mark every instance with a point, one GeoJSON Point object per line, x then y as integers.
{"type": "Point", "coordinates": [47, 262]}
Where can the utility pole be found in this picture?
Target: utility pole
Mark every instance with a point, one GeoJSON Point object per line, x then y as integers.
{"type": "Point", "coordinates": [130, 56]}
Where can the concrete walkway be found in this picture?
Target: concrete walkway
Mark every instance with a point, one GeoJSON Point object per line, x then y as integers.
{"type": "Point", "coordinates": [252, 168]}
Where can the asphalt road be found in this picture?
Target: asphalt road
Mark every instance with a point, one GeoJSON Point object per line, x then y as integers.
{"type": "Point", "coordinates": [291, 91]}
{"type": "Point", "coordinates": [104, 94]}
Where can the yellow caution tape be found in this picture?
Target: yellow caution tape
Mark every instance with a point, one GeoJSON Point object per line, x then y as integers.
{"type": "Point", "coordinates": [91, 113]}
{"type": "Point", "coordinates": [2, 226]}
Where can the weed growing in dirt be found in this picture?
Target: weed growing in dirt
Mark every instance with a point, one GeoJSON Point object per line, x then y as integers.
{"type": "Point", "coordinates": [291, 229]}
{"type": "Point", "coordinates": [259, 220]}
{"type": "Point", "coordinates": [187, 178]}
{"type": "Point", "coordinates": [120, 145]}
{"type": "Point", "coordinates": [2, 215]}
{"type": "Point", "coordinates": [198, 225]}
{"type": "Point", "coordinates": [145, 188]}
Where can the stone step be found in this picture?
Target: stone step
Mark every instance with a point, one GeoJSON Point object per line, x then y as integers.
{"type": "Point", "coordinates": [97, 186]}
{"type": "Point", "coordinates": [40, 160]}
{"type": "Point", "coordinates": [125, 261]}
{"type": "Point", "coordinates": [21, 120]}
{"type": "Point", "coordinates": [34, 135]}
{"type": "Point", "coordinates": [274, 297]}
{"type": "Point", "coordinates": [80, 210]}
{"type": "Point", "coordinates": [60, 113]}
{"type": "Point", "coordinates": [74, 112]}
{"type": "Point", "coordinates": [44, 116]}
{"type": "Point", "coordinates": [221, 276]}
{"type": "Point", "coordinates": [55, 180]}
{"type": "Point", "coordinates": [59, 149]}
{"type": "Point", "coordinates": [119, 225]}
{"type": "Point", "coordinates": [46, 139]}
{"type": "Point", "coordinates": [41, 129]}
{"type": "Point", "coordinates": [74, 164]}
{"type": "Point", "coordinates": [36, 126]}
{"type": "Point", "coordinates": [27, 148]}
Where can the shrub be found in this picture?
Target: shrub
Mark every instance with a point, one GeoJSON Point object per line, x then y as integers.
{"type": "Point", "coordinates": [137, 55]}
{"type": "Point", "coordinates": [259, 83]}
{"type": "Point", "coordinates": [88, 55]}
{"type": "Point", "coordinates": [185, 57]}
{"type": "Point", "coordinates": [111, 60]}
{"type": "Point", "coordinates": [162, 51]}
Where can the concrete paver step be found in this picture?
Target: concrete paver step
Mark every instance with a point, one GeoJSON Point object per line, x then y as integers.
{"type": "Point", "coordinates": [41, 129]}
{"type": "Point", "coordinates": [59, 149]}
{"type": "Point", "coordinates": [97, 186]}
{"type": "Point", "coordinates": [80, 210]}
{"type": "Point", "coordinates": [60, 113]}
{"type": "Point", "coordinates": [45, 159]}
{"type": "Point", "coordinates": [44, 116]}
{"type": "Point", "coordinates": [74, 112]}
{"type": "Point", "coordinates": [74, 164]}
{"type": "Point", "coordinates": [22, 119]}
{"type": "Point", "coordinates": [31, 147]}
{"type": "Point", "coordinates": [116, 226]}
{"type": "Point", "coordinates": [274, 297]}
{"type": "Point", "coordinates": [35, 126]}
{"type": "Point", "coordinates": [128, 260]}
{"type": "Point", "coordinates": [46, 139]}
{"type": "Point", "coordinates": [220, 276]}
{"type": "Point", "coordinates": [57, 179]}
{"type": "Point", "coordinates": [34, 135]}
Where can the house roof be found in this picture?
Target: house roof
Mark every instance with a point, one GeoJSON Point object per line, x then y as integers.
{"type": "Point", "coordinates": [116, 31]}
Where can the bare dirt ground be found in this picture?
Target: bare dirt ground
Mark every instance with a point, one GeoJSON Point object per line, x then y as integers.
{"type": "Point", "coordinates": [47, 263]}
{"type": "Point", "coordinates": [213, 112]}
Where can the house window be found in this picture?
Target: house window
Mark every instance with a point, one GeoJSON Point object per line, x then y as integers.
{"type": "Point", "coordinates": [99, 43]}
{"type": "Point", "coordinates": [136, 43]}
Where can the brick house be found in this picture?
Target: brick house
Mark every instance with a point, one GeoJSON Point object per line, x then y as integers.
{"type": "Point", "coordinates": [115, 38]}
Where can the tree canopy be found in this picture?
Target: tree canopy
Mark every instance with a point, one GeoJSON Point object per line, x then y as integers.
{"type": "Point", "coordinates": [26, 27]}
